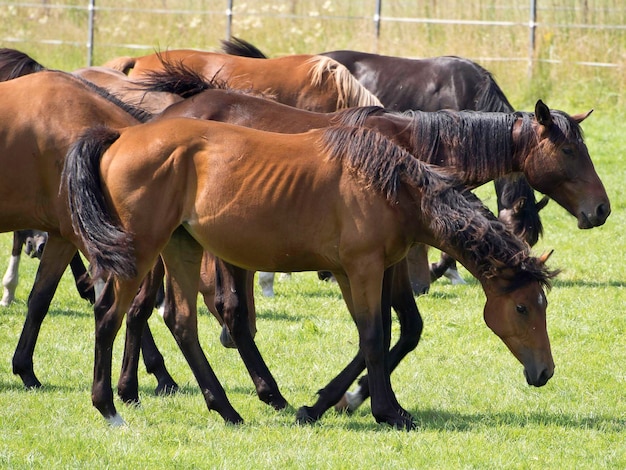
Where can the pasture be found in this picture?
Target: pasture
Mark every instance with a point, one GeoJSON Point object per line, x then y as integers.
{"type": "Point", "coordinates": [466, 391]}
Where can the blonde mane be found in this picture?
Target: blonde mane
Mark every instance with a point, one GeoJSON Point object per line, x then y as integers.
{"type": "Point", "coordinates": [350, 92]}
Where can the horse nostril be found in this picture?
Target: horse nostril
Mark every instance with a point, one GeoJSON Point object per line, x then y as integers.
{"type": "Point", "coordinates": [603, 211]}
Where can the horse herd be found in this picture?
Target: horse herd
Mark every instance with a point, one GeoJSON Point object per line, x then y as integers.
{"type": "Point", "coordinates": [196, 169]}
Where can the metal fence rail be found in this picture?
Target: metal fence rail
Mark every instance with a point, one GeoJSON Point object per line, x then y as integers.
{"type": "Point", "coordinates": [378, 21]}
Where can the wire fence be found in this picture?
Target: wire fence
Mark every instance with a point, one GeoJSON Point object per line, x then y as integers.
{"type": "Point", "coordinates": [90, 26]}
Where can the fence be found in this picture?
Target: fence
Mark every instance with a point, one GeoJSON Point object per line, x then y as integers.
{"type": "Point", "coordinates": [92, 25]}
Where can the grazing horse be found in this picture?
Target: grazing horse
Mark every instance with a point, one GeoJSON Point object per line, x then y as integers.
{"type": "Point", "coordinates": [42, 113]}
{"type": "Point", "coordinates": [341, 199]}
{"type": "Point", "coordinates": [431, 84]}
{"type": "Point", "coordinates": [309, 82]}
{"type": "Point", "coordinates": [33, 243]}
{"type": "Point", "coordinates": [431, 136]}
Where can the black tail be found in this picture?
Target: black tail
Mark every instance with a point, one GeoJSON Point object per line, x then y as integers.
{"type": "Point", "coordinates": [236, 46]}
{"type": "Point", "coordinates": [109, 247]}
{"type": "Point", "coordinates": [14, 63]}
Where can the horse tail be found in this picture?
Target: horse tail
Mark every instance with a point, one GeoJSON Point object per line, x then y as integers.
{"type": "Point", "coordinates": [177, 78]}
{"type": "Point", "coordinates": [14, 63]}
{"type": "Point", "coordinates": [122, 64]}
{"type": "Point", "coordinates": [241, 48]}
{"type": "Point", "coordinates": [109, 247]}
{"type": "Point", "coordinates": [350, 92]}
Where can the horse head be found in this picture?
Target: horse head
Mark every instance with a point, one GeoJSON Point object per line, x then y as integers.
{"type": "Point", "coordinates": [561, 167]}
{"type": "Point", "coordinates": [516, 311]}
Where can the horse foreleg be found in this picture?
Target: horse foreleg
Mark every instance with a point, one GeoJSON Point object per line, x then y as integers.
{"type": "Point", "coordinates": [374, 339]}
{"type": "Point", "coordinates": [11, 277]}
{"type": "Point", "coordinates": [411, 326]}
{"type": "Point", "coordinates": [54, 260]}
{"type": "Point", "coordinates": [419, 269]}
{"type": "Point", "coordinates": [446, 266]}
{"type": "Point", "coordinates": [138, 335]}
{"type": "Point", "coordinates": [234, 301]}
{"type": "Point", "coordinates": [266, 282]}
{"type": "Point", "coordinates": [182, 257]}
{"type": "Point", "coordinates": [81, 278]}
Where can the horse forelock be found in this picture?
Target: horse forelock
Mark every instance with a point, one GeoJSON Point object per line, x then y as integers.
{"type": "Point", "coordinates": [350, 92]}
{"type": "Point", "coordinates": [476, 144]}
{"type": "Point", "coordinates": [453, 214]}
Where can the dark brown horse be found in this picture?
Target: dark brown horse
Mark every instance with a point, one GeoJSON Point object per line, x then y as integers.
{"type": "Point", "coordinates": [232, 191]}
{"type": "Point", "coordinates": [433, 136]}
{"type": "Point", "coordinates": [308, 82]}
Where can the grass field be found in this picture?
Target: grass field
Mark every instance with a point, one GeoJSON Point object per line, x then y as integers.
{"type": "Point", "coordinates": [465, 390]}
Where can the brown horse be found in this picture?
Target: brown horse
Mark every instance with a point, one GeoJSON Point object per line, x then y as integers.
{"type": "Point", "coordinates": [42, 113]}
{"type": "Point", "coordinates": [309, 82]}
{"type": "Point", "coordinates": [345, 200]}
{"type": "Point", "coordinates": [419, 133]}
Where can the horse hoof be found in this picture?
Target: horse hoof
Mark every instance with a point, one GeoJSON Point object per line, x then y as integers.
{"type": "Point", "coordinates": [30, 381]}
{"type": "Point", "coordinates": [455, 277]}
{"type": "Point", "coordinates": [304, 416]}
{"type": "Point", "coordinates": [116, 420]}
{"type": "Point", "coordinates": [164, 389]}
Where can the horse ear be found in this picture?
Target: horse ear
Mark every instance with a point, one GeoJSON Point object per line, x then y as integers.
{"type": "Point", "coordinates": [543, 203]}
{"type": "Point", "coordinates": [542, 113]}
{"type": "Point", "coordinates": [578, 118]}
{"type": "Point", "coordinates": [544, 257]}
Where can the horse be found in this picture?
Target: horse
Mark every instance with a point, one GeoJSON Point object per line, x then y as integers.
{"type": "Point", "coordinates": [445, 82]}
{"type": "Point", "coordinates": [33, 243]}
{"type": "Point", "coordinates": [42, 113]}
{"type": "Point", "coordinates": [433, 136]}
{"type": "Point", "coordinates": [304, 81]}
{"type": "Point", "coordinates": [343, 199]}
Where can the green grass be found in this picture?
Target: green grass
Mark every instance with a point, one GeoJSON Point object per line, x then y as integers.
{"type": "Point", "coordinates": [465, 390]}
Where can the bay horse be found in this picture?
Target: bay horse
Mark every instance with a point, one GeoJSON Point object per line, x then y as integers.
{"type": "Point", "coordinates": [304, 81]}
{"type": "Point", "coordinates": [431, 84]}
{"type": "Point", "coordinates": [231, 190]}
{"type": "Point", "coordinates": [42, 113]}
{"type": "Point", "coordinates": [430, 136]}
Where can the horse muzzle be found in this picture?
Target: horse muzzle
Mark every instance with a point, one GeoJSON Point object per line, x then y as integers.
{"type": "Point", "coordinates": [595, 217]}
{"type": "Point", "coordinates": [538, 377]}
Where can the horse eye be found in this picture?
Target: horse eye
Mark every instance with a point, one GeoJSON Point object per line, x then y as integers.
{"type": "Point", "coordinates": [568, 151]}
{"type": "Point", "coordinates": [521, 309]}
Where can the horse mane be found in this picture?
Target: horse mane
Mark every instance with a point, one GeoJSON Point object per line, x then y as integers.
{"type": "Point", "coordinates": [138, 113]}
{"type": "Point", "coordinates": [489, 95]}
{"type": "Point", "coordinates": [239, 47]}
{"type": "Point", "coordinates": [185, 81]}
{"type": "Point", "coordinates": [350, 92]}
{"type": "Point", "coordinates": [453, 213]}
{"type": "Point", "coordinates": [356, 117]}
{"type": "Point", "coordinates": [14, 63]}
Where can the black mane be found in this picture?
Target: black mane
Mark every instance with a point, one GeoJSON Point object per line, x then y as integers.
{"type": "Point", "coordinates": [454, 214]}
{"type": "Point", "coordinates": [14, 63]}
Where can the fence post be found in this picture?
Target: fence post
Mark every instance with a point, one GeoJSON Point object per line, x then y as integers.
{"type": "Point", "coordinates": [229, 19]}
{"type": "Point", "coordinates": [532, 25]}
{"type": "Point", "coordinates": [92, 14]}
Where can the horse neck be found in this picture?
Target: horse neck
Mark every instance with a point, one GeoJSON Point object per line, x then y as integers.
{"type": "Point", "coordinates": [478, 146]}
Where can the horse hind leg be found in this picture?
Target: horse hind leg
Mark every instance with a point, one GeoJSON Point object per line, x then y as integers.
{"type": "Point", "coordinates": [139, 336]}
{"type": "Point", "coordinates": [182, 258]}
{"type": "Point", "coordinates": [233, 300]}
